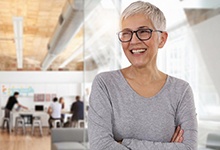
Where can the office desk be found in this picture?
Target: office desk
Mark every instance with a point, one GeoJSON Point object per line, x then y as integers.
{"type": "Point", "coordinates": [67, 114]}
{"type": "Point", "coordinates": [44, 116]}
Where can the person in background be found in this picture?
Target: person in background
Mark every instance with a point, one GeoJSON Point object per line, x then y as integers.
{"type": "Point", "coordinates": [54, 111]}
{"type": "Point", "coordinates": [12, 100]}
{"type": "Point", "coordinates": [77, 110]}
{"type": "Point", "coordinates": [61, 101]}
{"type": "Point", "coordinates": [140, 107]}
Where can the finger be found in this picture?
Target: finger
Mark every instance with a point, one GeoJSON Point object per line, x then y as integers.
{"type": "Point", "coordinates": [180, 140]}
{"type": "Point", "coordinates": [175, 134]}
{"type": "Point", "coordinates": [180, 134]}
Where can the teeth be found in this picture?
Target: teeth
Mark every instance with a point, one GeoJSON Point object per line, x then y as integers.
{"type": "Point", "coordinates": [138, 51]}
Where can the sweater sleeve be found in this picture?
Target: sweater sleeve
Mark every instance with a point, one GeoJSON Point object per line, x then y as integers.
{"type": "Point", "coordinates": [185, 117]}
{"type": "Point", "coordinates": [100, 119]}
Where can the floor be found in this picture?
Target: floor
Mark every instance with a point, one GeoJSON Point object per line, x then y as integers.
{"type": "Point", "coordinates": [27, 142]}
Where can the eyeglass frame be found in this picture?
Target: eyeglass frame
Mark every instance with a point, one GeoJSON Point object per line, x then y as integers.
{"type": "Point", "coordinates": [132, 32]}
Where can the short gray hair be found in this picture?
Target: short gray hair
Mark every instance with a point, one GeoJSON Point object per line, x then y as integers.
{"type": "Point", "coordinates": [149, 10]}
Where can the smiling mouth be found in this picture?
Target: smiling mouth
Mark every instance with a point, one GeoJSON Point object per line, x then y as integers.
{"type": "Point", "coordinates": [138, 51]}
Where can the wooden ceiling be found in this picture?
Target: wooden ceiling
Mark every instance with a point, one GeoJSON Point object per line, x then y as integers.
{"type": "Point", "coordinates": [40, 18]}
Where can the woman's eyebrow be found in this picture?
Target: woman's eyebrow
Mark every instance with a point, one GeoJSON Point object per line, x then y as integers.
{"type": "Point", "coordinates": [141, 27]}
{"type": "Point", "coordinates": [126, 29]}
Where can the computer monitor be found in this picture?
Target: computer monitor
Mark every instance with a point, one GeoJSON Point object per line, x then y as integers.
{"type": "Point", "coordinates": [39, 107]}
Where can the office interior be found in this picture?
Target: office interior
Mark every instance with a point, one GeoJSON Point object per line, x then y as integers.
{"type": "Point", "coordinates": [57, 47]}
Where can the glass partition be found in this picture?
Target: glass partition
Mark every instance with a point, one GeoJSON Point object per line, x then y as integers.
{"type": "Point", "coordinates": [191, 52]}
{"type": "Point", "coordinates": [100, 47]}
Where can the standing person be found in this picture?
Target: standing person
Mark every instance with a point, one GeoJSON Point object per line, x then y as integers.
{"type": "Point", "coordinates": [140, 107]}
{"type": "Point", "coordinates": [12, 100]}
{"type": "Point", "coordinates": [77, 110]}
{"type": "Point", "coordinates": [54, 111]}
{"type": "Point", "coordinates": [61, 101]}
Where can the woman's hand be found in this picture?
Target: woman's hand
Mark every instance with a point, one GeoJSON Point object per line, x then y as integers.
{"type": "Point", "coordinates": [178, 135]}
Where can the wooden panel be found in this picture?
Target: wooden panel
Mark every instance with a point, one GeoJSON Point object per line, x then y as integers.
{"type": "Point", "coordinates": [39, 21]}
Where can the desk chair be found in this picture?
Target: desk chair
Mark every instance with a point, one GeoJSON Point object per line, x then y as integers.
{"type": "Point", "coordinates": [19, 123]}
{"type": "Point", "coordinates": [37, 122]}
{"type": "Point", "coordinates": [80, 123]}
{"type": "Point", "coordinates": [77, 124]}
{"type": "Point", "coordinates": [7, 121]}
{"type": "Point", "coordinates": [55, 122]}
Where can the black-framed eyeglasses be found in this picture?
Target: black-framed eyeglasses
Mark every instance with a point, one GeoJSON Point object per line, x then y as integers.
{"type": "Point", "coordinates": [142, 34]}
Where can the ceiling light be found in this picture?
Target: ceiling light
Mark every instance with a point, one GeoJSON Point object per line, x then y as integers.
{"type": "Point", "coordinates": [18, 36]}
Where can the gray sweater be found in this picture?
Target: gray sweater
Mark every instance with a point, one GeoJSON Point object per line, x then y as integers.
{"type": "Point", "coordinates": [117, 112]}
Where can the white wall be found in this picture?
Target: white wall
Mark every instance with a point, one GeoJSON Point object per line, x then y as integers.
{"type": "Point", "coordinates": [41, 77]}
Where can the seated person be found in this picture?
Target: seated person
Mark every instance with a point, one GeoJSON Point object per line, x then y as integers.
{"type": "Point", "coordinates": [54, 111]}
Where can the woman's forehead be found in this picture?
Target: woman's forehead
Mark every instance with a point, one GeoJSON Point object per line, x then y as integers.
{"type": "Point", "coordinates": [136, 21]}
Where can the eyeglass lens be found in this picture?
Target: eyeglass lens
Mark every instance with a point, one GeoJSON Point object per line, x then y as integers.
{"type": "Point", "coordinates": [142, 34]}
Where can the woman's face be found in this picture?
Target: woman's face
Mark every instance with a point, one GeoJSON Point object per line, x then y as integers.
{"type": "Point", "coordinates": [142, 53]}
{"type": "Point", "coordinates": [61, 100]}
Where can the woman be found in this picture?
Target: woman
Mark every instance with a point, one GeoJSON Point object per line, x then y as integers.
{"type": "Point", "coordinates": [61, 101]}
{"type": "Point", "coordinates": [140, 107]}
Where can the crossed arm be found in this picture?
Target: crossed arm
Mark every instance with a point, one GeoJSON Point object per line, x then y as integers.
{"type": "Point", "coordinates": [101, 135]}
{"type": "Point", "coordinates": [177, 136]}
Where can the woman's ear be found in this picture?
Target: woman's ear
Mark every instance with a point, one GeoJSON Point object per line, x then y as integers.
{"type": "Point", "coordinates": [163, 39]}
